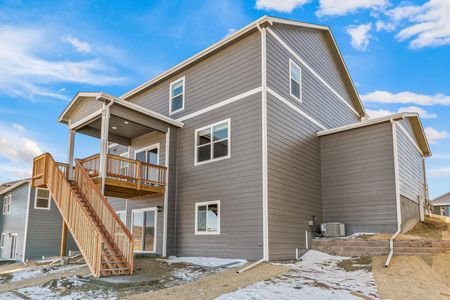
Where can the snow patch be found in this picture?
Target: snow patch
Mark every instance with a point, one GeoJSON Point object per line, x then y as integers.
{"type": "Point", "coordinates": [41, 271]}
{"type": "Point", "coordinates": [208, 262]}
{"type": "Point", "coordinates": [188, 274]}
{"type": "Point", "coordinates": [316, 276]}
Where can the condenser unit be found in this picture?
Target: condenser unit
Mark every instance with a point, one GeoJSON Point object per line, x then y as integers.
{"type": "Point", "coordinates": [332, 229]}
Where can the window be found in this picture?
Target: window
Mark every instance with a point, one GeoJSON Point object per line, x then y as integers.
{"type": "Point", "coordinates": [42, 199]}
{"type": "Point", "coordinates": [7, 204]}
{"type": "Point", "coordinates": [176, 96]}
{"type": "Point", "coordinates": [2, 240]}
{"type": "Point", "coordinates": [122, 216]}
{"type": "Point", "coordinates": [295, 80]}
{"type": "Point", "coordinates": [207, 217]}
{"type": "Point", "coordinates": [124, 165]}
{"type": "Point", "coordinates": [212, 142]}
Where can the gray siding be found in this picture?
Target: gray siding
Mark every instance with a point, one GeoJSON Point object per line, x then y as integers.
{"type": "Point", "coordinates": [14, 221]}
{"type": "Point", "coordinates": [44, 232]}
{"type": "Point", "coordinates": [317, 100]}
{"type": "Point", "coordinates": [294, 179]}
{"type": "Point", "coordinates": [86, 108]}
{"type": "Point", "coordinates": [410, 160]}
{"type": "Point", "coordinates": [358, 179]}
{"type": "Point", "coordinates": [229, 72]}
{"type": "Point", "coordinates": [236, 182]}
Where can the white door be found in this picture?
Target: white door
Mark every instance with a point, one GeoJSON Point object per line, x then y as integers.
{"type": "Point", "coordinates": [144, 229]}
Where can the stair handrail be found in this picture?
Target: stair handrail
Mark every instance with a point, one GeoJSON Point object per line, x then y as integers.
{"type": "Point", "coordinates": [111, 221]}
{"type": "Point", "coordinates": [47, 173]}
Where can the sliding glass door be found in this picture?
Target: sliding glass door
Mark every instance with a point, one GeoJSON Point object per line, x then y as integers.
{"type": "Point", "coordinates": [144, 229]}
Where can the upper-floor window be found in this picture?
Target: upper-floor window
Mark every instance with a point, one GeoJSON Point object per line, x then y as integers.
{"type": "Point", "coordinates": [7, 204]}
{"type": "Point", "coordinates": [295, 80]}
{"type": "Point", "coordinates": [42, 199]}
{"type": "Point", "coordinates": [207, 217]}
{"type": "Point", "coordinates": [176, 96]}
{"type": "Point", "coordinates": [212, 142]}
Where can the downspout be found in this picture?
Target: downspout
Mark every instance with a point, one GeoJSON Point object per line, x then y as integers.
{"type": "Point", "coordinates": [397, 194]}
{"type": "Point", "coordinates": [265, 213]}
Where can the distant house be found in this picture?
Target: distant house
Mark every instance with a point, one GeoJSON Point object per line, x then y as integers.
{"type": "Point", "coordinates": [233, 153]}
{"type": "Point", "coordinates": [30, 225]}
{"type": "Point", "coordinates": [441, 205]}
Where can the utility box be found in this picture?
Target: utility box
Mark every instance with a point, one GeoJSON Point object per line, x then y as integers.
{"type": "Point", "coordinates": [332, 229]}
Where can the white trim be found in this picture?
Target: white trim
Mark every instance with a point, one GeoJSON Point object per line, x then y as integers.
{"type": "Point", "coordinates": [220, 104]}
{"type": "Point", "coordinates": [410, 137]}
{"type": "Point", "coordinates": [15, 250]}
{"type": "Point", "coordinates": [207, 203]}
{"type": "Point", "coordinates": [89, 118]}
{"type": "Point", "coordinates": [27, 216]}
{"type": "Point", "coordinates": [279, 97]}
{"type": "Point", "coordinates": [7, 203]}
{"type": "Point", "coordinates": [36, 198]}
{"type": "Point", "coordinates": [14, 186]}
{"type": "Point", "coordinates": [183, 80]}
{"type": "Point", "coordinates": [166, 193]}
{"type": "Point", "coordinates": [156, 226]}
{"type": "Point", "coordinates": [112, 145]}
{"type": "Point", "coordinates": [265, 177]}
{"type": "Point", "coordinates": [2, 240]}
{"type": "Point", "coordinates": [211, 126]}
{"type": "Point", "coordinates": [291, 62]}
{"type": "Point", "coordinates": [293, 53]}
{"type": "Point", "coordinates": [146, 148]}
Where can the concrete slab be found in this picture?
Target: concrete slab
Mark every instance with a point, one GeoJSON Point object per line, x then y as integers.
{"type": "Point", "coordinates": [125, 281]}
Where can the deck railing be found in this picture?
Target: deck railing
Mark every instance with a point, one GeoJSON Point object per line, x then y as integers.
{"type": "Point", "coordinates": [125, 169]}
{"type": "Point", "coordinates": [47, 172]}
{"type": "Point", "coordinates": [116, 229]}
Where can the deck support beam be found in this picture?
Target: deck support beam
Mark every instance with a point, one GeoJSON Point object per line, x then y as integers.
{"type": "Point", "coordinates": [62, 250]}
{"type": "Point", "coordinates": [70, 152]}
{"type": "Point", "coordinates": [104, 145]}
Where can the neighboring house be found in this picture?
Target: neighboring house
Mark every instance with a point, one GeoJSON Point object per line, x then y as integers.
{"type": "Point", "coordinates": [30, 224]}
{"type": "Point", "coordinates": [441, 205]}
{"type": "Point", "coordinates": [234, 151]}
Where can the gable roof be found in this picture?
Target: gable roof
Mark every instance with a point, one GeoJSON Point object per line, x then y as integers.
{"type": "Point", "coordinates": [265, 20]}
{"type": "Point", "coordinates": [12, 185]}
{"type": "Point", "coordinates": [442, 200]}
{"type": "Point", "coordinates": [419, 132]}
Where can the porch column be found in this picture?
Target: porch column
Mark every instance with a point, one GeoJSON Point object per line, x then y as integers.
{"type": "Point", "coordinates": [70, 152]}
{"type": "Point", "coordinates": [104, 146]}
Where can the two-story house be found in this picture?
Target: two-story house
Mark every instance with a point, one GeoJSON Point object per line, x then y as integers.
{"type": "Point", "coordinates": [233, 152]}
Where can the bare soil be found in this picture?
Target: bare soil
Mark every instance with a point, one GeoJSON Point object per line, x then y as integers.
{"type": "Point", "coordinates": [431, 228]}
{"type": "Point", "coordinates": [356, 263]}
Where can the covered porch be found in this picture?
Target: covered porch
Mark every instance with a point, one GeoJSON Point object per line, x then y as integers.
{"type": "Point", "coordinates": [112, 120]}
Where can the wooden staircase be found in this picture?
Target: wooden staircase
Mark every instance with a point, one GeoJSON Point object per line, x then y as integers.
{"type": "Point", "coordinates": [103, 240]}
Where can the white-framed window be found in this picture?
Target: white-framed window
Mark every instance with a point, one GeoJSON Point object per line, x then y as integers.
{"type": "Point", "coordinates": [213, 142]}
{"type": "Point", "coordinates": [177, 95]}
{"type": "Point", "coordinates": [124, 165]}
{"type": "Point", "coordinates": [2, 240]}
{"type": "Point", "coordinates": [207, 217]}
{"type": "Point", "coordinates": [42, 199]}
{"type": "Point", "coordinates": [7, 204]}
{"type": "Point", "coordinates": [295, 80]}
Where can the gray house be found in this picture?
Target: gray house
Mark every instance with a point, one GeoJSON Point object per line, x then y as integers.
{"type": "Point", "coordinates": [234, 151]}
{"type": "Point", "coordinates": [441, 205]}
{"type": "Point", "coordinates": [30, 226]}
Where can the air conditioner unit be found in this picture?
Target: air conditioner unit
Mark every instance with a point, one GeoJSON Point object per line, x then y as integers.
{"type": "Point", "coordinates": [332, 229]}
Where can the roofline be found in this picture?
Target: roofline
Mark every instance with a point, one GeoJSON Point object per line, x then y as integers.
{"type": "Point", "coordinates": [14, 186]}
{"type": "Point", "coordinates": [440, 204]}
{"type": "Point", "coordinates": [68, 107]}
{"type": "Point", "coordinates": [445, 194]}
{"type": "Point", "coordinates": [230, 38]}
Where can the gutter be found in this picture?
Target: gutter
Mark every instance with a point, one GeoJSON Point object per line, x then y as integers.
{"type": "Point", "coordinates": [397, 194]}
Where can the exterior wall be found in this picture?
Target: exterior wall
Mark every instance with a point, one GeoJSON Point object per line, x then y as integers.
{"type": "Point", "coordinates": [236, 182]}
{"type": "Point", "coordinates": [227, 73]}
{"type": "Point", "coordinates": [441, 210]}
{"type": "Point", "coordinates": [411, 173]}
{"type": "Point", "coordinates": [44, 232]}
{"type": "Point", "coordinates": [14, 221]}
{"type": "Point", "coordinates": [410, 213]}
{"type": "Point", "coordinates": [358, 179]}
{"type": "Point", "coordinates": [86, 108]}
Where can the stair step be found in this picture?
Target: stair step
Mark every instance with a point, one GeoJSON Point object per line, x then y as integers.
{"type": "Point", "coordinates": [116, 269]}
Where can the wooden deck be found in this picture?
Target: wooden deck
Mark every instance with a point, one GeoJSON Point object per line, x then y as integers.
{"type": "Point", "coordinates": [127, 178]}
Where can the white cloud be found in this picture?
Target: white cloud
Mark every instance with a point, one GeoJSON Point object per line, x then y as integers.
{"type": "Point", "coordinates": [384, 26]}
{"type": "Point", "coordinates": [286, 6]}
{"type": "Point", "coordinates": [25, 74]}
{"type": "Point", "coordinates": [16, 146]}
{"type": "Point", "coordinates": [440, 172]}
{"type": "Point", "coordinates": [12, 172]}
{"type": "Point", "coordinates": [378, 113]}
{"type": "Point", "coordinates": [406, 98]}
{"type": "Point", "coordinates": [428, 24]}
{"type": "Point", "coordinates": [440, 156]}
{"type": "Point", "coordinates": [360, 35]}
{"type": "Point", "coordinates": [343, 7]}
{"type": "Point", "coordinates": [80, 46]}
{"type": "Point", "coordinates": [435, 135]}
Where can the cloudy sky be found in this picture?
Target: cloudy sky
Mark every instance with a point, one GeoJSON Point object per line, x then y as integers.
{"type": "Point", "coordinates": [398, 53]}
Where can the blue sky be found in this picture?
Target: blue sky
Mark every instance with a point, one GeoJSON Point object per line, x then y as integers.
{"type": "Point", "coordinates": [398, 54]}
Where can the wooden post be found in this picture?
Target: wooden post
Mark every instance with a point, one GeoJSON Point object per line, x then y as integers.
{"type": "Point", "coordinates": [70, 152]}
{"type": "Point", "coordinates": [62, 251]}
{"type": "Point", "coordinates": [104, 146]}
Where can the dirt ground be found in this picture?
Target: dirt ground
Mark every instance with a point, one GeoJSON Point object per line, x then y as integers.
{"type": "Point", "coordinates": [208, 287]}
{"type": "Point", "coordinates": [410, 277]}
